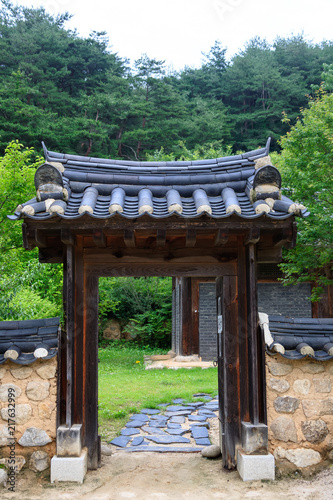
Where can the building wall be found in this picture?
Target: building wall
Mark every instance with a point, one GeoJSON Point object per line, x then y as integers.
{"type": "Point", "coordinates": [207, 321]}
{"type": "Point", "coordinates": [33, 421]}
{"type": "Point", "coordinates": [299, 413]}
{"type": "Point", "coordinates": [293, 301]}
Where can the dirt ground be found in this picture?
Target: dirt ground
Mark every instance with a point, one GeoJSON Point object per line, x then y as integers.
{"type": "Point", "coordinates": [180, 476]}
{"type": "Point", "coordinates": [168, 476]}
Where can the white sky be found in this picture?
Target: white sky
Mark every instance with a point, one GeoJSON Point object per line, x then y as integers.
{"type": "Point", "coordinates": [178, 31]}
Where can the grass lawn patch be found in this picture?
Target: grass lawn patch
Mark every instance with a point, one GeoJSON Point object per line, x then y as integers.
{"type": "Point", "coordinates": [125, 387]}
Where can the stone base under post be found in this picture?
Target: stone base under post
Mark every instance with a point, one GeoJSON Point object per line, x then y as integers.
{"type": "Point", "coordinates": [255, 467]}
{"type": "Point", "coordinates": [69, 468]}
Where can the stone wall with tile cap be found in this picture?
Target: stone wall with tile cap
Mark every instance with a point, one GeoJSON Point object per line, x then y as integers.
{"type": "Point", "coordinates": [35, 411]}
{"type": "Point", "coordinates": [300, 413]}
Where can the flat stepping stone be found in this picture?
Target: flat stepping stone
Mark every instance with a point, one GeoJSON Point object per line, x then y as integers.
{"type": "Point", "coordinates": [140, 416]}
{"type": "Point", "coordinates": [208, 413]}
{"type": "Point", "coordinates": [199, 403]}
{"type": "Point", "coordinates": [157, 423]}
{"type": "Point", "coordinates": [130, 431]}
{"type": "Point", "coordinates": [177, 420]}
{"type": "Point", "coordinates": [201, 395]}
{"type": "Point", "coordinates": [149, 411]}
{"type": "Point", "coordinates": [135, 423]}
{"type": "Point", "coordinates": [153, 430]}
{"type": "Point", "coordinates": [177, 432]}
{"type": "Point", "coordinates": [176, 408]}
{"type": "Point", "coordinates": [168, 439]}
{"type": "Point", "coordinates": [158, 418]}
{"type": "Point", "coordinates": [120, 441]}
{"type": "Point", "coordinates": [164, 449]}
{"type": "Point", "coordinates": [137, 441]}
{"type": "Point", "coordinates": [212, 407]}
{"type": "Point", "coordinates": [163, 404]}
{"type": "Point", "coordinates": [202, 442]}
{"type": "Point", "coordinates": [199, 432]}
{"type": "Point", "coordinates": [197, 418]}
{"type": "Point", "coordinates": [177, 413]}
{"type": "Point", "coordinates": [178, 401]}
{"type": "Point", "coordinates": [174, 426]}
{"type": "Point", "coordinates": [201, 424]}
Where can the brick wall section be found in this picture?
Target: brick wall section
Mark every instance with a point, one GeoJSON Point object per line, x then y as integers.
{"type": "Point", "coordinates": [300, 413]}
{"type": "Point", "coordinates": [273, 298]}
{"type": "Point", "coordinates": [207, 321]}
{"type": "Point", "coordinates": [35, 393]}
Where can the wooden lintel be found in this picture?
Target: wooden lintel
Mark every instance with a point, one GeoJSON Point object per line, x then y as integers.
{"type": "Point", "coordinates": [51, 255]}
{"type": "Point", "coordinates": [40, 239]}
{"type": "Point", "coordinates": [253, 236]}
{"type": "Point", "coordinates": [161, 238]}
{"type": "Point", "coordinates": [67, 237]}
{"type": "Point", "coordinates": [221, 237]}
{"type": "Point", "coordinates": [129, 238]}
{"type": "Point", "coordinates": [191, 237]}
{"type": "Point", "coordinates": [99, 238]}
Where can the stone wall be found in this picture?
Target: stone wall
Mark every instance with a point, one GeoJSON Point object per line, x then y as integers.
{"type": "Point", "coordinates": [35, 388]}
{"type": "Point", "coordinates": [299, 413]}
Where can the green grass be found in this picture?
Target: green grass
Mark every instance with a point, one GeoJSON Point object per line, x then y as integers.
{"type": "Point", "coordinates": [125, 387]}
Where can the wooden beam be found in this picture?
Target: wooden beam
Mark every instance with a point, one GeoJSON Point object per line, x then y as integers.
{"type": "Point", "coordinates": [283, 238]}
{"type": "Point", "coordinates": [221, 238]}
{"type": "Point", "coordinates": [51, 255]}
{"type": "Point", "coordinates": [253, 236]}
{"type": "Point", "coordinates": [129, 238]}
{"type": "Point", "coordinates": [99, 238]}
{"type": "Point", "coordinates": [40, 239]}
{"type": "Point", "coordinates": [191, 238]}
{"type": "Point", "coordinates": [67, 237]}
{"type": "Point", "coordinates": [161, 238]}
{"type": "Point", "coordinates": [28, 236]}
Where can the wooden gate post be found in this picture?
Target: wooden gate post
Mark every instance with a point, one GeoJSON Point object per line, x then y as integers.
{"type": "Point", "coordinates": [240, 370]}
{"type": "Point", "coordinates": [78, 386]}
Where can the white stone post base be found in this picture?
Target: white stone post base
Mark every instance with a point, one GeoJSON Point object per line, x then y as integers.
{"type": "Point", "coordinates": [69, 468]}
{"type": "Point", "coordinates": [255, 467]}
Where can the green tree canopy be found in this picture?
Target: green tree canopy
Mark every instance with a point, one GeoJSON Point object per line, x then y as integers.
{"type": "Point", "coordinates": [306, 162]}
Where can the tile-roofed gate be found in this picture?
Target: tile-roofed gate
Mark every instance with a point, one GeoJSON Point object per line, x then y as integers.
{"type": "Point", "coordinates": [214, 218]}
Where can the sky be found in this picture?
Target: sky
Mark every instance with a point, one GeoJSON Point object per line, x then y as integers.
{"type": "Point", "coordinates": [180, 31]}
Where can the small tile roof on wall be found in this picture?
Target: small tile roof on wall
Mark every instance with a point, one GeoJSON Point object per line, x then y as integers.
{"type": "Point", "coordinates": [296, 338]}
{"type": "Point", "coordinates": [70, 186]}
{"type": "Point", "coordinates": [23, 342]}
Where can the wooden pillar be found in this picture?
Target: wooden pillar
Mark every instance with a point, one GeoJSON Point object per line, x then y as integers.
{"type": "Point", "coordinates": [229, 369]}
{"type": "Point", "coordinates": [65, 407]}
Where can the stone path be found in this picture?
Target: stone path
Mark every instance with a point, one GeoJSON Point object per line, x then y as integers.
{"type": "Point", "coordinates": [178, 427]}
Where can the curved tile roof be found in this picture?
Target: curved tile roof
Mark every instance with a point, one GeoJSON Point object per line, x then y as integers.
{"type": "Point", "coordinates": [23, 342]}
{"type": "Point", "coordinates": [70, 186]}
{"type": "Point", "coordinates": [297, 338]}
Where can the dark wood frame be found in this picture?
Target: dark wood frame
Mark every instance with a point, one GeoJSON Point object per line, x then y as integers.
{"type": "Point", "coordinates": [225, 249]}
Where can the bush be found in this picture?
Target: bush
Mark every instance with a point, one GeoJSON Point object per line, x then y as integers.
{"type": "Point", "coordinates": [147, 302]}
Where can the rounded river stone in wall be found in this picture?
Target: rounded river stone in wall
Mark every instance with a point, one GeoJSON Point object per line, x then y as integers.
{"type": "Point", "coordinates": [284, 429]}
{"type": "Point", "coordinates": [301, 457]}
{"type": "Point", "coordinates": [2, 371]}
{"type": "Point", "coordinates": [22, 413]}
{"type": "Point", "coordinates": [302, 386]}
{"type": "Point", "coordinates": [21, 372]}
{"type": "Point", "coordinates": [286, 404]}
{"type": "Point", "coordinates": [34, 437]}
{"type": "Point", "coordinates": [39, 461]}
{"type": "Point", "coordinates": [47, 371]}
{"type": "Point", "coordinates": [37, 391]}
{"type": "Point", "coordinates": [14, 391]}
{"type": "Point", "coordinates": [314, 431]}
{"type": "Point", "coordinates": [279, 369]}
{"type": "Point", "coordinates": [278, 385]}
{"type": "Point", "coordinates": [312, 367]}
